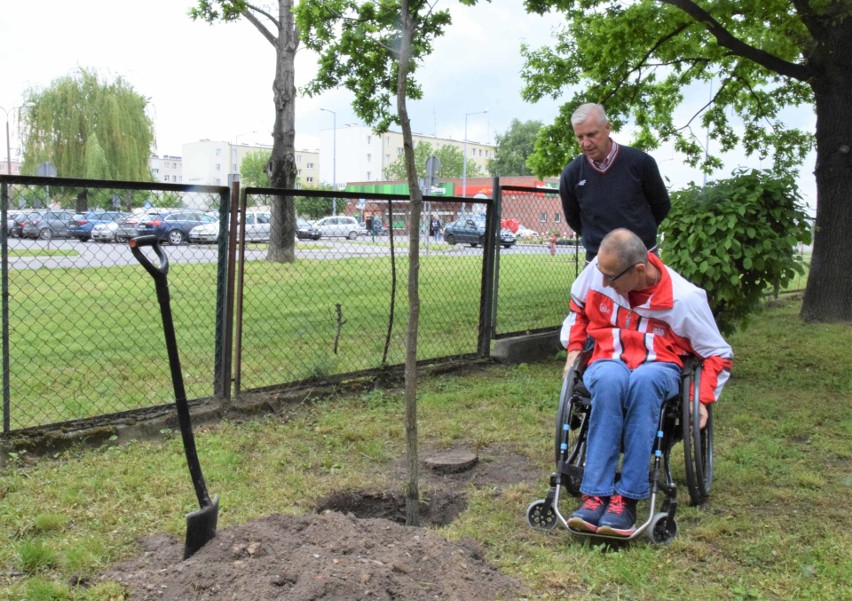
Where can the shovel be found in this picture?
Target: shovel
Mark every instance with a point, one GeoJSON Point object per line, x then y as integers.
{"type": "Point", "coordinates": [201, 524]}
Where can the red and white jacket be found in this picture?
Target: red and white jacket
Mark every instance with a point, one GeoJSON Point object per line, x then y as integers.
{"type": "Point", "coordinates": [674, 321]}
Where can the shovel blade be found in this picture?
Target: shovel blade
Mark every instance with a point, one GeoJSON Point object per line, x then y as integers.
{"type": "Point", "coordinates": [201, 527]}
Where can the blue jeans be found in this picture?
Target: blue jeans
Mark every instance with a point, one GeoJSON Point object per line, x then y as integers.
{"type": "Point", "coordinates": [625, 412]}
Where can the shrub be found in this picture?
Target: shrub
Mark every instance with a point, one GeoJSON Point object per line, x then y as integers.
{"type": "Point", "coordinates": [737, 239]}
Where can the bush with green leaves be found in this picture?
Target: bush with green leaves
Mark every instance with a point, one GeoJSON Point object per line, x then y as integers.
{"type": "Point", "coordinates": [737, 238]}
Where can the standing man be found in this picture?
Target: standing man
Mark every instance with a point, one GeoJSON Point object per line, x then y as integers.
{"type": "Point", "coordinates": [377, 225]}
{"type": "Point", "coordinates": [644, 318]}
{"type": "Point", "coordinates": [610, 185]}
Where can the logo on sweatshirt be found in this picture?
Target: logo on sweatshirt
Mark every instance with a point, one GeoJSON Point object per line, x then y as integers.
{"type": "Point", "coordinates": [582, 182]}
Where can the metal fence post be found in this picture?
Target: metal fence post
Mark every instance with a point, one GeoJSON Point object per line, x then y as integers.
{"type": "Point", "coordinates": [4, 258]}
{"type": "Point", "coordinates": [498, 227]}
{"type": "Point", "coordinates": [492, 230]}
{"type": "Point", "coordinates": [225, 293]}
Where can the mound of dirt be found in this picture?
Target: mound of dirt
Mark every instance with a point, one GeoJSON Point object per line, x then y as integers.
{"type": "Point", "coordinates": [328, 556]}
{"type": "Point", "coordinates": [355, 547]}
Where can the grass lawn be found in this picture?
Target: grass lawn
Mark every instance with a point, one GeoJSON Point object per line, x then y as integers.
{"type": "Point", "coordinates": [777, 525]}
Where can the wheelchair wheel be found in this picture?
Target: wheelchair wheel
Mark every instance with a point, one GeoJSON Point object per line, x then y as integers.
{"type": "Point", "coordinates": [697, 443]}
{"type": "Point", "coordinates": [563, 415]}
{"type": "Point", "coordinates": [662, 529]}
{"type": "Point", "coordinates": [575, 414]}
{"type": "Point", "coordinates": [541, 515]}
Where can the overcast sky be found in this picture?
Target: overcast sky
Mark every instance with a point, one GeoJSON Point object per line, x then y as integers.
{"type": "Point", "coordinates": [214, 81]}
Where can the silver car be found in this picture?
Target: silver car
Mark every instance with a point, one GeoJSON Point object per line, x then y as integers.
{"type": "Point", "coordinates": [46, 224]}
{"type": "Point", "coordinates": [341, 226]}
{"type": "Point", "coordinates": [127, 227]}
{"type": "Point", "coordinates": [257, 228]}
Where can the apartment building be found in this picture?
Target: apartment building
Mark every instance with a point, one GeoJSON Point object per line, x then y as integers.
{"type": "Point", "coordinates": [362, 156]}
{"type": "Point", "coordinates": [211, 161]}
{"type": "Point", "coordinates": [10, 167]}
{"type": "Point", "coordinates": [167, 169]}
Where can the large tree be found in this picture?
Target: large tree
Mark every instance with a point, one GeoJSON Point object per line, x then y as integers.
{"type": "Point", "coordinates": [514, 148]}
{"type": "Point", "coordinates": [278, 27]}
{"type": "Point", "coordinates": [450, 157]}
{"type": "Point", "coordinates": [373, 48]}
{"type": "Point", "coordinates": [88, 128]}
{"type": "Point", "coordinates": [761, 57]}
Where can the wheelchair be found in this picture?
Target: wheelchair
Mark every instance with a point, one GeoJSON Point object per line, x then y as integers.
{"type": "Point", "coordinates": [679, 422]}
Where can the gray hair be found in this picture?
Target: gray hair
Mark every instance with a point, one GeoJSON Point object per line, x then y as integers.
{"type": "Point", "coordinates": [625, 245]}
{"type": "Point", "coordinates": [583, 112]}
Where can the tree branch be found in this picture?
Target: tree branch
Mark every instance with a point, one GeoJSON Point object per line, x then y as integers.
{"type": "Point", "coordinates": [264, 13]}
{"type": "Point", "coordinates": [737, 46]}
{"type": "Point", "coordinates": [252, 18]}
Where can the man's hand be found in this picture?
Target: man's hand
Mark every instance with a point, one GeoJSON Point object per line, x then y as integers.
{"type": "Point", "coordinates": [569, 363]}
{"type": "Point", "coordinates": [703, 414]}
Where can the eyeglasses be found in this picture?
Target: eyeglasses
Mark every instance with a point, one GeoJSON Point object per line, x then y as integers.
{"type": "Point", "coordinates": [611, 278]}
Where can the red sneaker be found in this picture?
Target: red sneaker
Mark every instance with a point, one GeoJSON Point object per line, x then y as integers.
{"type": "Point", "coordinates": [585, 519]}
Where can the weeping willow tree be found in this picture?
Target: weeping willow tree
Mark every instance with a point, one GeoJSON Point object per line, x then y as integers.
{"type": "Point", "coordinates": [88, 128]}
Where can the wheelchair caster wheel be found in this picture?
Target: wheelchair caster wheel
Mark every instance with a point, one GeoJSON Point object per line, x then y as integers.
{"type": "Point", "coordinates": [662, 529]}
{"type": "Point", "coordinates": [540, 514]}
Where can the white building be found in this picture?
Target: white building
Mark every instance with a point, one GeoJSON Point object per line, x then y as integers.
{"type": "Point", "coordinates": [13, 166]}
{"type": "Point", "coordinates": [210, 162]}
{"type": "Point", "coordinates": [166, 169]}
{"type": "Point", "coordinates": [362, 156]}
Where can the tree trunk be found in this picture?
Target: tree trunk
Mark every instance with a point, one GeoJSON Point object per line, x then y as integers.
{"type": "Point", "coordinates": [828, 296]}
{"type": "Point", "coordinates": [412, 500]}
{"type": "Point", "coordinates": [281, 167]}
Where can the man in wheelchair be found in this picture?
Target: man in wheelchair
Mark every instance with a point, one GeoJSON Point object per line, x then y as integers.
{"type": "Point", "coordinates": [643, 318]}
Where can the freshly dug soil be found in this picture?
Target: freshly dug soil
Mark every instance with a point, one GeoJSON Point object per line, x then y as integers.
{"type": "Point", "coordinates": [355, 547]}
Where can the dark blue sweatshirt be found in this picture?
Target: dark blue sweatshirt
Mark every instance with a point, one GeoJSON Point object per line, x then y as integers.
{"type": "Point", "coordinates": [629, 193]}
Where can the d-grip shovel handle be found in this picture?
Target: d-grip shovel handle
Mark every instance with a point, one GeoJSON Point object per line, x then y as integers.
{"type": "Point", "coordinates": [136, 245]}
{"type": "Point", "coordinates": [162, 285]}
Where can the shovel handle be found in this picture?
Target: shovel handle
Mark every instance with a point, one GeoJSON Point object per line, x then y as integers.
{"type": "Point", "coordinates": [184, 420]}
{"type": "Point", "coordinates": [136, 244]}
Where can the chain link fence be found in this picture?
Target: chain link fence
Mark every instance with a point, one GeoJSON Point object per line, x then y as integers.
{"type": "Point", "coordinates": [534, 280]}
{"type": "Point", "coordinates": [343, 305]}
{"type": "Point", "coordinates": [82, 331]}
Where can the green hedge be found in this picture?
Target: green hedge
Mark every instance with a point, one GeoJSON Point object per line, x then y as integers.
{"type": "Point", "coordinates": [737, 238]}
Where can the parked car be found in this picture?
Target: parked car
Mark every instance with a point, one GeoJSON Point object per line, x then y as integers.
{"type": "Point", "coordinates": [127, 228]}
{"type": "Point", "coordinates": [12, 228]}
{"type": "Point", "coordinates": [525, 232]}
{"type": "Point", "coordinates": [471, 230]}
{"type": "Point", "coordinates": [46, 224]}
{"type": "Point", "coordinates": [104, 232]}
{"type": "Point", "coordinates": [18, 227]}
{"type": "Point", "coordinates": [81, 225]}
{"type": "Point", "coordinates": [340, 226]}
{"type": "Point", "coordinates": [172, 226]}
{"type": "Point", "coordinates": [257, 228]}
{"type": "Point", "coordinates": [305, 230]}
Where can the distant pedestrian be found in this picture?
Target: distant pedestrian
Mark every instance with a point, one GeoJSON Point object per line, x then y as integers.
{"type": "Point", "coordinates": [436, 228]}
{"type": "Point", "coordinates": [377, 225]}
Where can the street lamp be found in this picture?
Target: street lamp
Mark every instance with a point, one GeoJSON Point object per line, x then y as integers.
{"type": "Point", "coordinates": [235, 151]}
{"type": "Point", "coordinates": [8, 144]}
{"type": "Point", "coordinates": [464, 163]}
{"type": "Point", "coordinates": [333, 157]}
